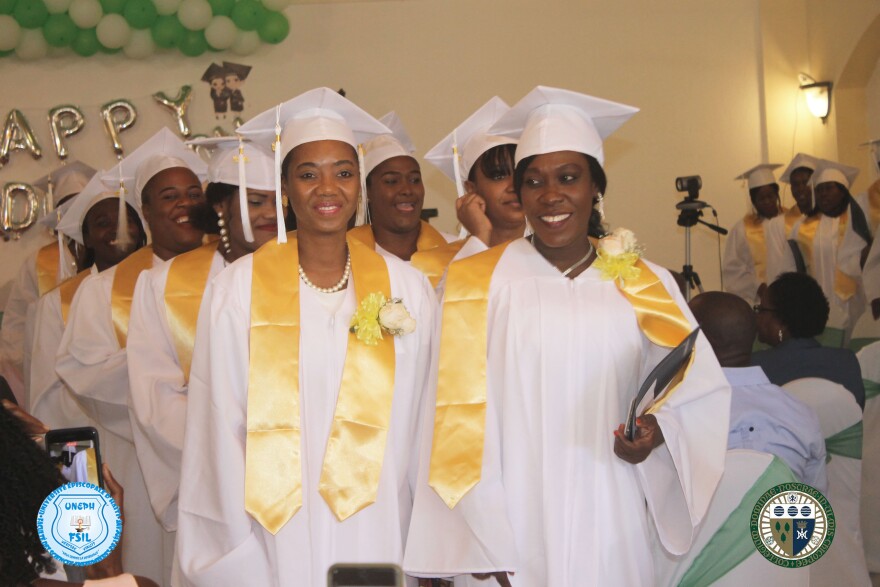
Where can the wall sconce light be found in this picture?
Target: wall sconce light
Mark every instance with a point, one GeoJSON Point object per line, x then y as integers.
{"type": "Point", "coordinates": [818, 95]}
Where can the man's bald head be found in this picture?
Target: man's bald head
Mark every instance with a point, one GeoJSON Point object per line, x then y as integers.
{"type": "Point", "coordinates": [729, 324]}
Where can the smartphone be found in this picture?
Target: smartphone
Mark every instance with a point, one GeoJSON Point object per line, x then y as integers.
{"type": "Point", "coordinates": [77, 454]}
{"type": "Point", "coordinates": [346, 575]}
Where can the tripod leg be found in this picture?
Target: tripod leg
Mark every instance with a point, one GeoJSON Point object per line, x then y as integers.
{"type": "Point", "coordinates": [696, 279]}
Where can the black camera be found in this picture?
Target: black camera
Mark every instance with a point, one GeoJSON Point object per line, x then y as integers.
{"type": "Point", "coordinates": [691, 184]}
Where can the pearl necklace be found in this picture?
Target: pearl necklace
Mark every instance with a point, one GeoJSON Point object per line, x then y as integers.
{"type": "Point", "coordinates": [339, 284]}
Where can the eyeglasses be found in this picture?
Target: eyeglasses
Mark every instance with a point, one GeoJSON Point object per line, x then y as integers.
{"type": "Point", "coordinates": [758, 308]}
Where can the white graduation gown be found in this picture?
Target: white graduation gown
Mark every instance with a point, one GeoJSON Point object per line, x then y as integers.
{"type": "Point", "coordinates": [93, 366]}
{"type": "Point", "coordinates": [554, 504]}
{"type": "Point", "coordinates": [830, 253]}
{"type": "Point", "coordinates": [738, 268]}
{"type": "Point", "coordinates": [51, 400]}
{"type": "Point", "coordinates": [871, 272]}
{"type": "Point", "coordinates": [220, 544]}
{"type": "Point", "coordinates": [157, 402]}
{"type": "Point", "coordinates": [16, 333]}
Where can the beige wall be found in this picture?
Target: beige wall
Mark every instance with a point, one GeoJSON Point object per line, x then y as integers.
{"type": "Point", "coordinates": [712, 77]}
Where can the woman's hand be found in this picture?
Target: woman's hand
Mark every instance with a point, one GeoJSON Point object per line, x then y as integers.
{"type": "Point", "coordinates": [112, 565]}
{"type": "Point", "coordinates": [648, 437]}
{"type": "Point", "coordinates": [471, 212]}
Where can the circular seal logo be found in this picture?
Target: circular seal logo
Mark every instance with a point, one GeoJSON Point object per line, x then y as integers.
{"type": "Point", "coordinates": [792, 525]}
{"type": "Point", "coordinates": [79, 524]}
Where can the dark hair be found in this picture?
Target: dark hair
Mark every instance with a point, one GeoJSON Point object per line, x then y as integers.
{"type": "Point", "coordinates": [496, 161]}
{"type": "Point", "coordinates": [800, 169]}
{"type": "Point", "coordinates": [800, 304]}
{"type": "Point", "coordinates": [28, 477]}
{"type": "Point", "coordinates": [753, 192]}
{"type": "Point", "coordinates": [595, 229]}
{"type": "Point", "coordinates": [88, 258]}
{"type": "Point", "coordinates": [203, 216]}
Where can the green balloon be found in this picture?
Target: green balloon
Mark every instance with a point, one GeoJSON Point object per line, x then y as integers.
{"type": "Point", "coordinates": [30, 14]}
{"type": "Point", "coordinates": [192, 43]}
{"type": "Point", "coordinates": [274, 28]}
{"type": "Point", "coordinates": [6, 7]}
{"type": "Point", "coordinates": [140, 14]}
{"type": "Point", "coordinates": [86, 43]}
{"type": "Point", "coordinates": [113, 6]}
{"type": "Point", "coordinates": [59, 30]}
{"type": "Point", "coordinates": [166, 31]}
{"type": "Point", "coordinates": [248, 15]}
{"type": "Point", "coordinates": [5, 53]}
{"type": "Point", "coordinates": [221, 7]}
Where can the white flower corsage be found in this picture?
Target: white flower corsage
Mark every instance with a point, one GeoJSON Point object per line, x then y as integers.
{"type": "Point", "coordinates": [376, 314]}
{"type": "Point", "coordinates": [617, 255]}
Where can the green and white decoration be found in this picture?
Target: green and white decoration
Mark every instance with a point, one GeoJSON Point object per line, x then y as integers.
{"type": "Point", "coordinates": [139, 28]}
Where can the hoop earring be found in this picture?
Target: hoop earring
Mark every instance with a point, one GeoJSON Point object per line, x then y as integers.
{"type": "Point", "coordinates": [224, 234]}
{"type": "Point", "coordinates": [600, 206]}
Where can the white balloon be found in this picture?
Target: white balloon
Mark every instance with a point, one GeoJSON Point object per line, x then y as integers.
{"type": "Point", "coordinates": [246, 43]}
{"type": "Point", "coordinates": [166, 7]}
{"type": "Point", "coordinates": [32, 45]}
{"type": "Point", "coordinates": [221, 33]}
{"type": "Point", "coordinates": [85, 13]}
{"type": "Point", "coordinates": [194, 14]}
{"type": "Point", "coordinates": [113, 31]}
{"type": "Point", "coordinates": [10, 33]}
{"type": "Point", "coordinates": [276, 4]}
{"type": "Point", "coordinates": [56, 6]}
{"type": "Point", "coordinates": [140, 45]}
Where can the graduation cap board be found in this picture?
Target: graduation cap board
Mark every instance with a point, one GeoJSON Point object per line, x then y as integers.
{"type": "Point", "coordinates": [801, 160]}
{"type": "Point", "coordinates": [836, 172]}
{"type": "Point", "coordinates": [384, 147]}
{"type": "Point", "coordinates": [662, 379]}
{"type": "Point", "coordinates": [759, 175]}
{"type": "Point", "coordinates": [548, 119]}
{"type": "Point", "coordinates": [64, 181]}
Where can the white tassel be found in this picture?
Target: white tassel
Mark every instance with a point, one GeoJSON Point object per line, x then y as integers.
{"type": "Point", "coordinates": [279, 206]}
{"type": "Point", "coordinates": [63, 273]}
{"type": "Point", "coordinates": [123, 239]}
{"type": "Point", "coordinates": [363, 212]}
{"type": "Point", "coordinates": [50, 196]}
{"type": "Point", "coordinates": [459, 181]}
{"type": "Point", "coordinates": [242, 195]}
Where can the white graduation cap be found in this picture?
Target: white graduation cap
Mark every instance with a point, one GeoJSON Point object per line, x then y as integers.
{"type": "Point", "coordinates": [51, 219]}
{"type": "Point", "coordinates": [95, 191]}
{"type": "Point", "coordinates": [317, 115]}
{"type": "Point", "coordinates": [760, 175]}
{"type": "Point", "coordinates": [64, 181]}
{"type": "Point", "coordinates": [836, 172]}
{"type": "Point", "coordinates": [547, 120]}
{"type": "Point", "coordinates": [164, 150]}
{"type": "Point", "coordinates": [384, 147]}
{"type": "Point", "coordinates": [800, 160]}
{"type": "Point", "coordinates": [456, 154]}
{"type": "Point", "coordinates": [874, 145]}
{"type": "Point", "coordinates": [235, 161]}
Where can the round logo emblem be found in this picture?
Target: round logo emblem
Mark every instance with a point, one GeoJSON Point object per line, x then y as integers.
{"type": "Point", "coordinates": [792, 525]}
{"type": "Point", "coordinates": [79, 524]}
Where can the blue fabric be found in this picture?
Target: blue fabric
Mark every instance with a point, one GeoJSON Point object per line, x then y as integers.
{"type": "Point", "coordinates": [764, 417]}
{"type": "Point", "coordinates": [797, 358]}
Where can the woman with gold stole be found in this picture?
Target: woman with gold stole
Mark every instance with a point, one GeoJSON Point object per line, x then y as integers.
{"type": "Point", "coordinates": [165, 178]}
{"type": "Point", "coordinates": [92, 221]}
{"type": "Point", "coordinates": [302, 423]}
{"type": "Point", "coordinates": [527, 476]}
{"type": "Point", "coordinates": [745, 253]}
{"type": "Point", "coordinates": [40, 272]}
{"type": "Point", "coordinates": [395, 194]}
{"type": "Point", "coordinates": [831, 247]}
{"type": "Point", "coordinates": [166, 306]}
{"type": "Point", "coordinates": [481, 166]}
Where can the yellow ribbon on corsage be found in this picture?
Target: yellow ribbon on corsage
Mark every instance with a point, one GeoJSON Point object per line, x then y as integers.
{"type": "Point", "coordinates": [356, 446]}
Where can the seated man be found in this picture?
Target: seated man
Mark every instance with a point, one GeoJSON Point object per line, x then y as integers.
{"type": "Point", "coordinates": [762, 415]}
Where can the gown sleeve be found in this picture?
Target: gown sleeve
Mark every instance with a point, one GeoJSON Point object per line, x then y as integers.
{"type": "Point", "coordinates": [738, 268]}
